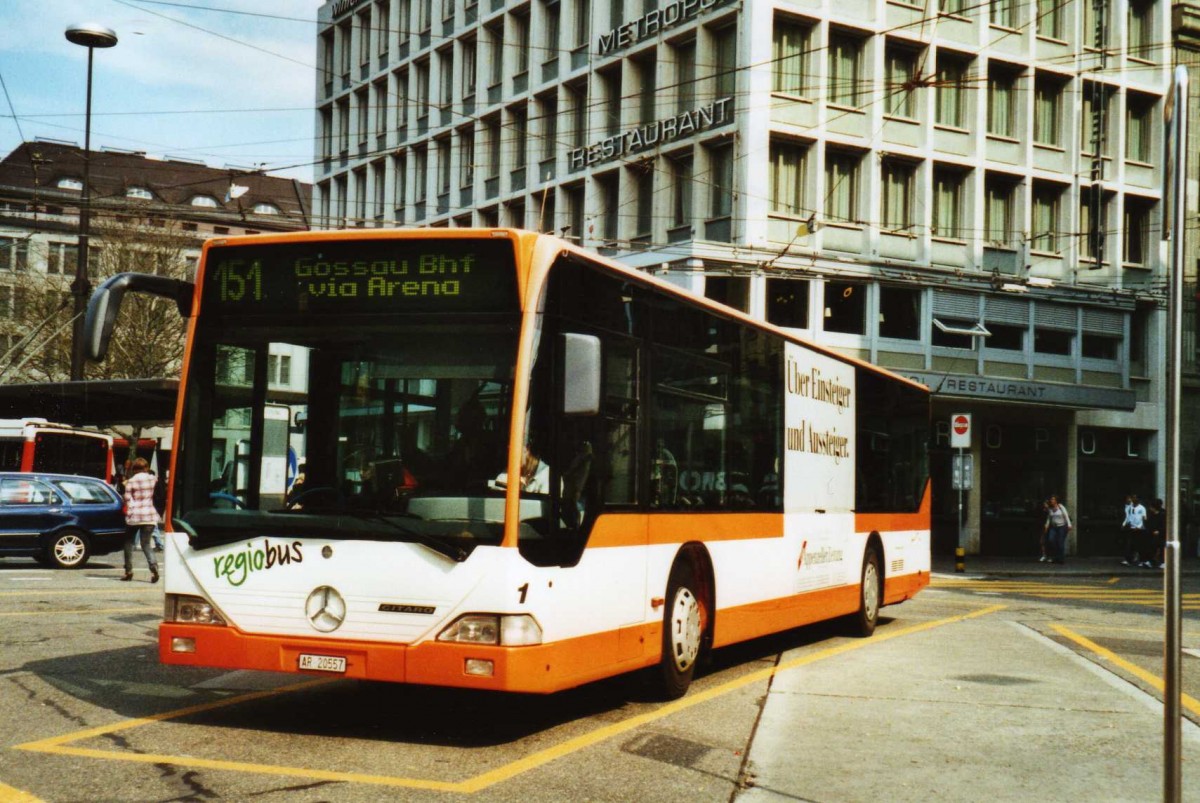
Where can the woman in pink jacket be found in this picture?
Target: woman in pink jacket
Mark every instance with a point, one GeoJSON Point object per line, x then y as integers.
{"type": "Point", "coordinates": [140, 516]}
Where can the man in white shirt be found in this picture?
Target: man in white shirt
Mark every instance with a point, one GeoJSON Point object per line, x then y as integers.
{"type": "Point", "coordinates": [1134, 526]}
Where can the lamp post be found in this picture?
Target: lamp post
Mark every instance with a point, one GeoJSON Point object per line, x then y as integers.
{"type": "Point", "coordinates": [91, 36]}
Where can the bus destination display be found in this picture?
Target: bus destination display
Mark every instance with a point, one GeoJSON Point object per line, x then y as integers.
{"type": "Point", "coordinates": [417, 275]}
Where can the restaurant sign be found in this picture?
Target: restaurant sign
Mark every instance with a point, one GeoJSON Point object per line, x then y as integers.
{"type": "Point", "coordinates": [660, 132]}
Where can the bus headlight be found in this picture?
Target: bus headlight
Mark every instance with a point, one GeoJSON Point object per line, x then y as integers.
{"type": "Point", "coordinates": [190, 610]}
{"type": "Point", "coordinates": [510, 630]}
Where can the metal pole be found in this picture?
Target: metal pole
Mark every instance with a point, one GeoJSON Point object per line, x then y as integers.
{"type": "Point", "coordinates": [960, 552]}
{"type": "Point", "coordinates": [1177, 108]}
{"type": "Point", "coordinates": [81, 288]}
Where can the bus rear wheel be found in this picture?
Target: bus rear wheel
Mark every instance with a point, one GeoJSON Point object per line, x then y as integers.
{"type": "Point", "coordinates": [870, 594]}
{"type": "Point", "coordinates": [68, 549]}
{"type": "Point", "coordinates": [684, 621]}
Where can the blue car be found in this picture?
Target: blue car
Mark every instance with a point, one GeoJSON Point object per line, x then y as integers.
{"type": "Point", "coordinates": [59, 520]}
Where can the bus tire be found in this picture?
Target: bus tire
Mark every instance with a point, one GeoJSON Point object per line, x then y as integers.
{"type": "Point", "coordinates": [68, 549]}
{"type": "Point", "coordinates": [870, 594]}
{"type": "Point", "coordinates": [684, 621]}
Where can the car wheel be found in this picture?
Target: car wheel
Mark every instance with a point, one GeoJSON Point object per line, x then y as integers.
{"type": "Point", "coordinates": [870, 594]}
{"type": "Point", "coordinates": [68, 549]}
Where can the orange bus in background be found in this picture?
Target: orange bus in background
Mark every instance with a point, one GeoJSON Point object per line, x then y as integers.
{"type": "Point", "coordinates": [35, 444]}
{"type": "Point", "coordinates": [521, 466]}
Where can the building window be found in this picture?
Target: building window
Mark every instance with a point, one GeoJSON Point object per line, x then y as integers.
{"type": "Point", "coordinates": [139, 193]}
{"type": "Point", "coordinates": [266, 208]}
{"type": "Point", "coordinates": [790, 47]}
{"type": "Point", "coordinates": [401, 101]}
{"type": "Point", "coordinates": [577, 95]}
{"type": "Point", "coordinates": [611, 82]}
{"type": "Point", "coordinates": [845, 58]}
{"type": "Point", "coordinates": [1137, 231]}
{"type": "Point", "coordinates": [999, 197]}
{"type": "Point", "coordinates": [421, 174]}
{"type": "Point", "coordinates": [1003, 13]}
{"type": "Point", "coordinates": [549, 115]}
{"type": "Point", "coordinates": [1090, 242]}
{"type": "Point", "coordinates": [685, 75]}
{"type": "Point", "coordinates": [204, 202]}
{"type": "Point", "coordinates": [343, 108]}
{"type": "Point", "coordinates": [1139, 127]}
{"type": "Point", "coordinates": [443, 167]}
{"type": "Point", "coordinates": [61, 258]}
{"type": "Point", "coordinates": [1050, 18]}
{"type": "Point", "coordinates": [466, 166]}
{"type": "Point", "coordinates": [492, 127]}
{"type": "Point", "coordinates": [520, 29]}
{"type": "Point", "coordinates": [583, 22]}
{"type": "Point", "coordinates": [953, 333]}
{"type": "Point", "coordinates": [383, 34]}
{"type": "Point", "coordinates": [644, 181]}
{"type": "Point", "coordinates": [951, 90]}
{"type": "Point", "coordinates": [1095, 96]}
{"type": "Point", "coordinates": [898, 177]}
{"type": "Point", "coordinates": [519, 127]}
{"type": "Point", "coordinates": [948, 194]}
{"type": "Point", "coordinates": [364, 39]}
{"type": "Point", "coordinates": [1052, 341]}
{"type": "Point", "coordinates": [1047, 110]}
{"type": "Point", "coordinates": [788, 160]}
{"type": "Point", "coordinates": [362, 101]}
{"type": "Point", "coordinates": [787, 302]}
{"type": "Point", "coordinates": [726, 69]}
{"type": "Point", "coordinates": [732, 291]}
{"type": "Point", "coordinates": [845, 308]}
{"type": "Point", "coordinates": [551, 22]}
{"type": "Point", "coordinates": [720, 170]}
{"type": "Point", "coordinates": [681, 191]}
{"type": "Point", "coordinates": [900, 98]}
{"type": "Point", "coordinates": [381, 109]}
{"type": "Point", "coordinates": [645, 68]}
{"type": "Point", "coordinates": [1141, 30]}
{"type": "Point", "coordinates": [399, 190]}
{"type": "Point", "coordinates": [574, 230]}
{"type": "Point", "coordinates": [279, 369]}
{"type": "Point", "coordinates": [469, 54]}
{"type": "Point", "coordinates": [610, 205]}
{"type": "Point", "coordinates": [445, 78]}
{"type": "Point", "coordinates": [952, 6]}
{"type": "Point", "coordinates": [899, 312]}
{"type": "Point", "coordinates": [1047, 198]}
{"type": "Point", "coordinates": [1002, 102]}
{"type": "Point", "coordinates": [422, 97]}
{"type": "Point", "coordinates": [70, 183]}
{"type": "Point", "coordinates": [842, 185]}
{"type": "Point", "coordinates": [1100, 347]}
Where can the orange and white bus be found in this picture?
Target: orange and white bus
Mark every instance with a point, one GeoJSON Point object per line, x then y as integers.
{"type": "Point", "coordinates": [35, 444]}
{"type": "Point", "coordinates": [688, 477]}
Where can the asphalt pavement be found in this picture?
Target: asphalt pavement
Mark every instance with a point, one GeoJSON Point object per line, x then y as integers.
{"type": "Point", "coordinates": [1107, 566]}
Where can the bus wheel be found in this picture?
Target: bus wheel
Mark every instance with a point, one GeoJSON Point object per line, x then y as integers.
{"type": "Point", "coordinates": [684, 621]}
{"type": "Point", "coordinates": [869, 595]}
{"type": "Point", "coordinates": [68, 550]}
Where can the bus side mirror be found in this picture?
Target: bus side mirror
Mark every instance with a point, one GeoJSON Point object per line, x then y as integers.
{"type": "Point", "coordinates": [105, 303]}
{"type": "Point", "coordinates": [581, 374]}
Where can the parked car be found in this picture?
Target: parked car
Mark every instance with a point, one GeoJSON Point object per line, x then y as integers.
{"type": "Point", "coordinates": [58, 519]}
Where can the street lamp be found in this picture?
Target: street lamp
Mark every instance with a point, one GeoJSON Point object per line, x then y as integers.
{"type": "Point", "coordinates": [91, 36]}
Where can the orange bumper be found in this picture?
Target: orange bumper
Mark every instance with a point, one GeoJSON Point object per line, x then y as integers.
{"type": "Point", "coordinates": [540, 669]}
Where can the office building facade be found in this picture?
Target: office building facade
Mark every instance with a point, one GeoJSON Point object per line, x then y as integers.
{"type": "Point", "coordinates": [968, 193]}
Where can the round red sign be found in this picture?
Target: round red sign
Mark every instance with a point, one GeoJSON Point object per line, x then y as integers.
{"type": "Point", "coordinates": [961, 425]}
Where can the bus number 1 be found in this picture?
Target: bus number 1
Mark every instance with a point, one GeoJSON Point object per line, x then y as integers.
{"type": "Point", "coordinates": [524, 590]}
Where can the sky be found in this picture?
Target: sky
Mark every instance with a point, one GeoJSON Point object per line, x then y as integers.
{"type": "Point", "coordinates": [188, 78]}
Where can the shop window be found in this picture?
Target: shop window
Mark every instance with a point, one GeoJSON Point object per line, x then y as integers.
{"type": "Point", "coordinates": [787, 302]}
{"type": "Point", "coordinates": [845, 308]}
{"type": "Point", "coordinates": [899, 313]}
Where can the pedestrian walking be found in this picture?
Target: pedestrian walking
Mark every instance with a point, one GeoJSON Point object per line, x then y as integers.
{"type": "Point", "coordinates": [1156, 531]}
{"type": "Point", "coordinates": [140, 516]}
{"type": "Point", "coordinates": [1045, 558]}
{"type": "Point", "coordinates": [1134, 527]}
{"type": "Point", "coordinates": [1058, 524]}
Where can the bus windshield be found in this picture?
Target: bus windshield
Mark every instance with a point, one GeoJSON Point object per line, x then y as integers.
{"type": "Point", "coordinates": [377, 427]}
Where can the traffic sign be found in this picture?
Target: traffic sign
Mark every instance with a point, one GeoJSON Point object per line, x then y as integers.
{"type": "Point", "coordinates": [960, 431]}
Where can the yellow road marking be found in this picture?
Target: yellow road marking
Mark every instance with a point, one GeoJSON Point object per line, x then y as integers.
{"type": "Point", "coordinates": [1190, 703]}
{"type": "Point", "coordinates": [59, 745]}
{"type": "Point", "coordinates": [1114, 581]}
{"type": "Point", "coordinates": [10, 795]}
{"type": "Point", "coordinates": [79, 610]}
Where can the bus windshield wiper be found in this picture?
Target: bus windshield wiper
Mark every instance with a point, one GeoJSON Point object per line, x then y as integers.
{"type": "Point", "coordinates": [439, 545]}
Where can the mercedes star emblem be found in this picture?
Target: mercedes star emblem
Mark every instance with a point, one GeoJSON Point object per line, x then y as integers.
{"type": "Point", "coordinates": [325, 609]}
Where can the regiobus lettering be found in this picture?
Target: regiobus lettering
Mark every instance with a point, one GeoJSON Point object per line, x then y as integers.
{"type": "Point", "coordinates": [492, 460]}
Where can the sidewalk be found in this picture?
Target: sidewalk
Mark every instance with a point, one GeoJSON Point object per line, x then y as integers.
{"type": "Point", "coordinates": [976, 565]}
